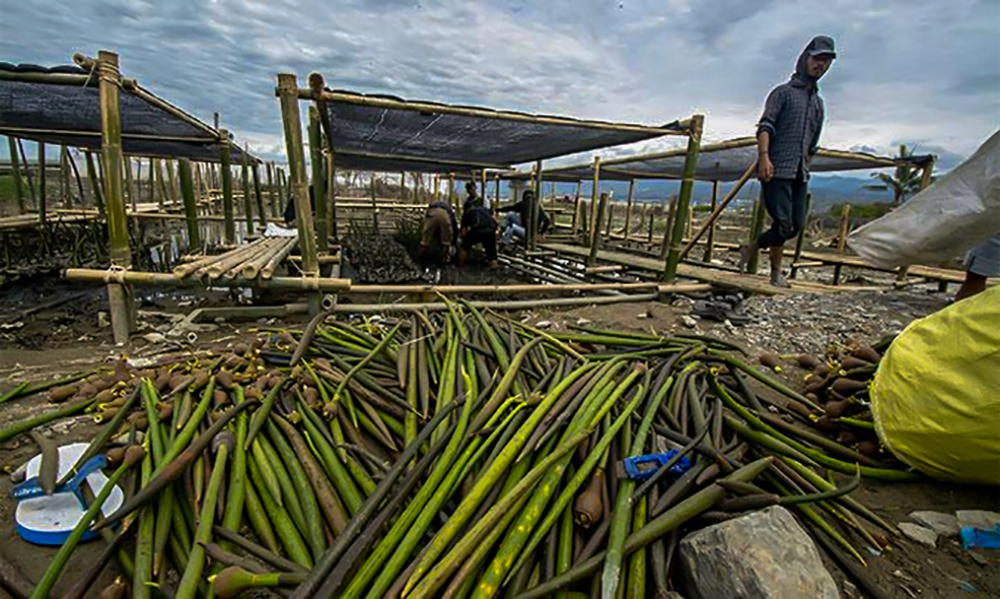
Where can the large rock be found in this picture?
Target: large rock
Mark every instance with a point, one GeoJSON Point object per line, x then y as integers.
{"type": "Point", "coordinates": [763, 555]}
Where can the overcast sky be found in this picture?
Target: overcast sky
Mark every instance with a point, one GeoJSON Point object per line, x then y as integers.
{"type": "Point", "coordinates": [912, 71]}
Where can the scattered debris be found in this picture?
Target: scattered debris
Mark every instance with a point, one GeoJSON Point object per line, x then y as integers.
{"type": "Point", "coordinates": [919, 534]}
{"type": "Point", "coordinates": [944, 525]}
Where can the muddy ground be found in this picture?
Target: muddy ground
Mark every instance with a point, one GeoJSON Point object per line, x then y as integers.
{"type": "Point", "coordinates": [64, 332]}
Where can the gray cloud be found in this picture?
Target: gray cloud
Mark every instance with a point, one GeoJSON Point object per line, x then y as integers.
{"type": "Point", "coordinates": [908, 70]}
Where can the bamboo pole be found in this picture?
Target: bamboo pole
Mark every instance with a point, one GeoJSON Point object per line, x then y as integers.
{"type": "Point", "coordinates": [710, 223]}
{"type": "Point", "coordinates": [161, 189]}
{"type": "Point", "coordinates": [649, 235]}
{"type": "Point", "coordinates": [756, 226]}
{"type": "Point", "coordinates": [628, 209]}
{"type": "Point", "coordinates": [158, 279]}
{"type": "Point", "coordinates": [258, 196]}
{"type": "Point", "coordinates": [119, 296]}
{"type": "Point", "coordinates": [27, 170]}
{"type": "Point", "coordinates": [152, 182]}
{"type": "Point", "coordinates": [41, 183]}
{"type": "Point", "coordinates": [288, 94]}
{"type": "Point", "coordinates": [576, 210]}
{"type": "Point", "coordinates": [684, 200]}
{"type": "Point", "coordinates": [496, 197]}
{"type": "Point", "coordinates": [375, 204]}
{"type": "Point", "coordinates": [331, 191]}
{"type": "Point", "coordinates": [267, 271]}
{"type": "Point", "coordinates": [601, 208]}
{"type": "Point", "coordinates": [671, 215]}
{"type": "Point", "coordinates": [316, 161]}
{"type": "Point", "coordinates": [95, 188]}
{"type": "Point", "coordinates": [247, 201]}
{"type": "Point", "coordinates": [610, 211]}
{"type": "Point", "coordinates": [801, 237]}
{"type": "Point", "coordinates": [225, 171]}
{"type": "Point", "coordinates": [202, 263]}
{"type": "Point", "coordinates": [845, 222]}
{"type": "Point", "coordinates": [500, 305]}
{"type": "Point", "coordinates": [252, 266]}
{"type": "Point", "coordinates": [171, 179]}
{"type": "Point", "coordinates": [710, 245]}
{"type": "Point", "coordinates": [272, 198]}
{"type": "Point", "coordinates": [190, 202]}
{"type": "Point", "coordinates": [451, 192]}
{"type": "Point", "coordinates": [76, 174]}
{"type": "Point", "coordinates": [15, 164]}
{"type": "Point", "coordinates": [926, 177]}
{"type": "Point", "coordinates": [594, 193]}
{"type": "Point", "coordinates": [130, 190]}
{"type": "Point", "coordinates": [535, 206]}
{"type": "Point", "coordinates": [67, 193]}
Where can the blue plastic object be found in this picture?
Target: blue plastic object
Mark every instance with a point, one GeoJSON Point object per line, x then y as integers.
{"type": "Point", "coordinates": [30, 488]}
{"type": "Point", "coordinates": [641, 467]}
{"type": "Point", "coordinates": [976, 537]}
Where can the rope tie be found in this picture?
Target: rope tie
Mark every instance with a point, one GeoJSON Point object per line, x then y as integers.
{"type": "Point", "coordinates": [115, 274]}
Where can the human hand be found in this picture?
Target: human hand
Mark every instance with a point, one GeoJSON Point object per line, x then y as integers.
{"type": "Point", "coordinates": [765, 170]}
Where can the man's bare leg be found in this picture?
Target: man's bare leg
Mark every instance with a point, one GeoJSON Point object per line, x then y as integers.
{"type": "Point", "coordinates": [746, 252]}
{"type": "Point", "coordinates": [776, 254]}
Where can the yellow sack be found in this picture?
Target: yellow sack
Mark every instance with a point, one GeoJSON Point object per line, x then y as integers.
{"type": "Point", "coordinates": [936, 395]}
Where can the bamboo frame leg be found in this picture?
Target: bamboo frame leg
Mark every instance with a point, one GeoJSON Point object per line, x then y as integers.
{"type": "Point", "coordinates": [318, 179]}
{"type": "Point", "coordinates": [628, 210]}
{"type": "Point", "coordinates": [800, 239]}
{"type": "Point", "coordinates": [130, 192]}
{"type": "Point", "coordinates": [120, 297]}
{"type": "Point", "coordinates": [375, 205]}
{"type": "Point", "coordinates": [258, 196]}
{"type": "Point", "coordinates": [175, 198]}
{"type": "Point", "coordinates": [535, 207]}
{"type": "Point", "coordinates": [288, 94]}
{"type": "Point", "coordinates": [27, 171]}
{"type": "Point", "coordinates": [684, 199]}
{"type": "Point", "coordinates": [226, 158]}
{"type": "Point", "coordinates": [576, 210]}
{"type": "Point", "coordinates": [601, 208]}
{"type": "Point", "coordinates": [595, 192]}
{"type": "Point", "coordinates": [671, 214]}
{"type": "Point", "coordinates": [496, 198]}
{"type": "Point", "coordinates": [611, 217]}
{"type": "Point", "coordinates": [452, 199]}
{"type": "Point", "coordinates": [95, 188]}
{"type": "Point", "coordinates": [649, 236]}
{"type": "Point", "coordinates": [247, 201]}
{"type": "Point", "coordinates": [190, 202]}
{"type": "Point", "coordinates": [710, 242]}
{"type": "Point", "coordinates": [271, 197]}
{"type": "Point", "coordinates": [42, 192]}
{"type": "Point", "coordinates": [67, 193]}
{"type": "Point", "coordinates": [76, 174]}
{"type": "Point", "coordinates": [756, 227]}
{"type": "Point", "coordinates": [331, 192]}
{"type": "Point", "coordinates": [15, 163]}
{"type": "Point", "coordinates": [845, 223]}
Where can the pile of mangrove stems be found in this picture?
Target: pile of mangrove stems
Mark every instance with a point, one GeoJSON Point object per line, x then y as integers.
{"type": "Point", "coordinates": [460, 454]}
{"type": "Point", "coordinates": [259, 258]}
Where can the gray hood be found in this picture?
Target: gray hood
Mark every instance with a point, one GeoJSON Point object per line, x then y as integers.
{"type": "Point", "coordinates": [821, 44]}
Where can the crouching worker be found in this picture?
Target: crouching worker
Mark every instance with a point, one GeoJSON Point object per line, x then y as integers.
{"type": "Point", "coordinates": [439, 233]}
{"type": "Point", "coordinates": [516, 220]}
{"type": "Point", "coordinates": [478, 227]}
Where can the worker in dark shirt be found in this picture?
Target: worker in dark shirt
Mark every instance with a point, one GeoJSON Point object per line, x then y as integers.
{"type": "Point", "coordinates": [516, 223]}
{"type": "Point", "coordinates": [440, 231]}
{"type": "Point", "coordinates": [787, 139]}
{"type": "Point", "coordinates": [478, 227]}
{"type": "Point", "coordinates": [470, 196]}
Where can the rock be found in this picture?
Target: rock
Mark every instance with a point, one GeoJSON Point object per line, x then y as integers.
{"type": "Point", "coordinates": [102, 320]}
{"type": "Point", "coordinates": [915, 532]}
{"type": "Point", "coordinates": [155, 337]}
{"type": "Point", "coordinates": [543, 324]}
{"type": "Point", "coordinates": [689, 322]}
{"type": "Point", "coordinates": [765, 554]}
{"type": "Point", "coordinates": [944, 525]}
{"type": "Point", "coordinates": [583, 321]}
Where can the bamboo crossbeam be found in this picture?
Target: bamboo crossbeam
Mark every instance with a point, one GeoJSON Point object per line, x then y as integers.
{"type": "Point", "coordinates": [498, 305]}
{"type": "Point", "coordinates": [169, 280]}
{"type": "Point", "coordinates": [490, 289]}
{"type": "Point", "coordinates": [675, 128]}
{"type": "Point", "coordinates": [718, 210]}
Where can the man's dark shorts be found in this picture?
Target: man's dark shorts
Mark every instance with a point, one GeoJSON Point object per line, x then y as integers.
{"type": "Point", "coordinates": [785, 201]}
{"type": "Point", "coordinates": [487, 237]}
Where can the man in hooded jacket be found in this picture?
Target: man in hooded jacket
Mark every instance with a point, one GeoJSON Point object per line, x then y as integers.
{"type": "Point", "coordinates": [787, 139]}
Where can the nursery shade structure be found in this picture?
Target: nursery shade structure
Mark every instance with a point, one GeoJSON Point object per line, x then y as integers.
{"type": "Point", "coordinates": [61, 105]}
{"type": "Point", "coordinates": [723, 161]}
{"type": "Point", "coordinates": [390, 134]}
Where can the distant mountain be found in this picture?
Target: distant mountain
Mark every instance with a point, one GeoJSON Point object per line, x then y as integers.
{"type": "Point", "coordinates": [826, 190]}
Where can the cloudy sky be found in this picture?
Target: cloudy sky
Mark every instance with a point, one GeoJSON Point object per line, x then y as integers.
{"type": "Point", "coordinates": [923, 72]}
